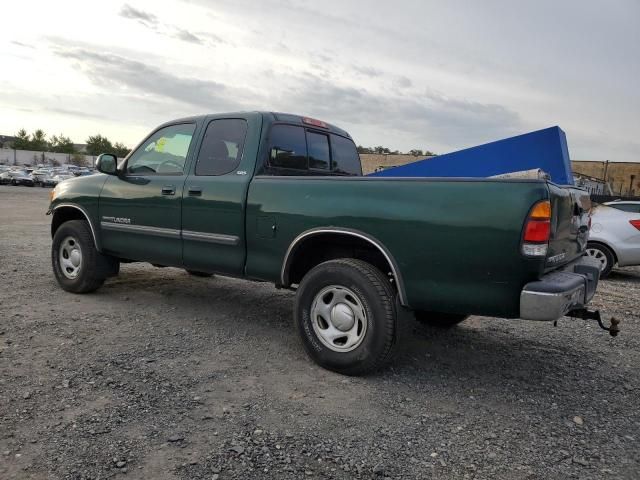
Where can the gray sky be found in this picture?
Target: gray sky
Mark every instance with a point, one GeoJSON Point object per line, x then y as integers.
{"type": "Point", "coordinates": [405, 74]}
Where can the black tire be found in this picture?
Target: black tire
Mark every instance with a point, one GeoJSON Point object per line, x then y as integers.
{"type": "Point", "coordinates": [13, 182]}
{"type": "Point", "coordinates": [94, 268]}
{"type": "Point", "coordinates": [199, 274]}
{"type": "Point", "coordinates": [607, 254]}
{"type": "Point", "coordinates": [377, 297]}
{"type": "Point", "coordinates": [439, 320]}
{"type": "Point", "coordinates": [42, 184]}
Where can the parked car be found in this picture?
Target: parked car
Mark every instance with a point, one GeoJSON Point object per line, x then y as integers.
{"type": "Point", "coordinates": [16, 177]}
{"type": "Point", "coordinates": [615, 236]}
{"type": "Point", "coordinates": [281, 198]}
{"type": "Point", "coordinates": [632, 206]}
{"type": "Point", "coordinates": [61, 177]}
{"type": "Point", "coordinates": [83, 173]}
{"type": "Point", "coordinates": [48, 182]}
{"type": "Point", "coordinates": [39, 175]}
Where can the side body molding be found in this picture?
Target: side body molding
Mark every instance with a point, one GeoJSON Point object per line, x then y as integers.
{"type": "Point", "coordinates": [395, 270]}
{"type": "Point", "coordinates": [86, 215]}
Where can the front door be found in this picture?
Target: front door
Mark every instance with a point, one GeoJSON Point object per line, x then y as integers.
{"type": "Point", "coordinates": [140, 209]}
{"type": "Point", "coordinates": [214, 197]}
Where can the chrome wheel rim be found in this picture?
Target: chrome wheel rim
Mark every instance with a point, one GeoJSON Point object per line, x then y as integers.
{"type": "Point", "coordinates": [339, 319]}
{"type": "Point", "coordinates": [70, 257]}
{"type": "Point", "coordinates": [599, 256]}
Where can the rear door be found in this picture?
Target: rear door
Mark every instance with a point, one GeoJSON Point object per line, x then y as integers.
{"type": "Point", "coordinates": [140, 210]}
{"type": "Point", "coordinates": [570, 208]}
{"type": "Point", "coordinates": [214, 198]}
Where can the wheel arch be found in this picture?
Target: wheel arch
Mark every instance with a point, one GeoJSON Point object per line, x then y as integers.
{"type": "Point", "coordinates": [339, 240]}
{"type": "Point", "coordinates": [68, 211]}
{"type": "Point", "coordinates": [605, 244]}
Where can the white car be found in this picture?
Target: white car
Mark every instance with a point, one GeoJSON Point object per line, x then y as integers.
{"type": "Point", "coordinates": [632, 206]}
{"type": "Point", "coordinates": [615, 235]}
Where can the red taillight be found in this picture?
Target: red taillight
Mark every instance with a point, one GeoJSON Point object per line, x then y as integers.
{"type": "Point", "coordinates": [537, 231]}
{"type": "Point", "coordinates": [314, 122]}
{"type": "Point", "coordinates": [635, 223]}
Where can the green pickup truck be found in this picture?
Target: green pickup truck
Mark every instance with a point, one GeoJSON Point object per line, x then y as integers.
{"type": "Point", "coordinates": [281, 198]}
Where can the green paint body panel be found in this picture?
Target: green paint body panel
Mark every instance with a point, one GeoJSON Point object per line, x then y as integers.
{"type": "Point", "coordinates": [83, 192]}
{"type": "Point", "coordinates": [221, 207]}
{"type": "Point", "coordinates": [456, 242]}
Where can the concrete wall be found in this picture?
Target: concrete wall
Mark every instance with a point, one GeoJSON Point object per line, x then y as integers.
{"type": "Point", "coordinates": [371, 162]}
{"type": "Point", "coordinates": [28, 157]}
{"type": "Point", "coordinates": [618, 173]}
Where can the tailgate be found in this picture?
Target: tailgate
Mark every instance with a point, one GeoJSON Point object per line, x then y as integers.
{"type": "Point", "coordinates": [570, 209]}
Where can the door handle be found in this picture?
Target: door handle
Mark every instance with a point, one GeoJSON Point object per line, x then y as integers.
{"type": "Point", "coordinates": [169, 190]}
{"type": "Point", "coordinates": [195, 191]}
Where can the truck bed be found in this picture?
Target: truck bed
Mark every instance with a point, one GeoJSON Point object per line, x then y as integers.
{"type": "Point", "coordinates": [456, 241]}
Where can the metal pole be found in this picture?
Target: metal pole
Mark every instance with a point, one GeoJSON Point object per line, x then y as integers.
{"type": "Point", "coordinates": [606, 169]}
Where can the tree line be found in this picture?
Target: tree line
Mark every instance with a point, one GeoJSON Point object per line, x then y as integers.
{"type": "Point", "coordinates": [39, 141]}
{"type": "Point", "coordinates": [416, 152]}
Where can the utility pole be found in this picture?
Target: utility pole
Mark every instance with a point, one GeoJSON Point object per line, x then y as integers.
{"type": "Point", "coordinates": [606, 169]}
{"type": "Point", "coordinates": [631, 183]}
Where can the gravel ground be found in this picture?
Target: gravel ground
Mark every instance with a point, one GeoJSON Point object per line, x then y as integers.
{"type": "Point", "coordinates": [160, 375]}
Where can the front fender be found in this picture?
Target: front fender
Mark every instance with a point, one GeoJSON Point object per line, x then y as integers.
{"type": "Point", "coordinates": [78, 198]}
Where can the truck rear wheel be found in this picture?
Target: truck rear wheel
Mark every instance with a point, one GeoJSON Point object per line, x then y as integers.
{"type": "Point", "coordinates": [439, 320]}
{"type": "Point", "coordinates": [345, 312]}
{"type": "Point", "coordinates": [77, 265]}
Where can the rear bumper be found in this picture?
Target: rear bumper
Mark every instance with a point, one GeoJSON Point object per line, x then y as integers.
{"type": "Point", "coordinates": [559, 292]}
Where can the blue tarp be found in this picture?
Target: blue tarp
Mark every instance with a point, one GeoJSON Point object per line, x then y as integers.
{"type": "Point", "coordinates": [545, 149]}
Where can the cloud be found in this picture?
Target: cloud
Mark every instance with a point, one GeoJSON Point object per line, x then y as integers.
{"type": "Point", "coordinates": [402, 82]}
{"type": "Point", "coordinates": [20, 44]}
{"type": "Point", "coordinates": [187, 36]}
{"type": "Point", "coordinates": [367, 71]}
{"type": "Point", "coordinates": [75, 113]}
{"type": "Point", "coordinates": [115, 71]}
{"type": "Point", "coordinates": [151, 21]}
{"type": "Point", "coordinates": [148, 19]}
{"type": "Point", "coordinates": [454, 121]}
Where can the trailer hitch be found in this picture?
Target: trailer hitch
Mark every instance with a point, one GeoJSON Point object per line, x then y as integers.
{"type": "Point", "coordinates": [586, 314]}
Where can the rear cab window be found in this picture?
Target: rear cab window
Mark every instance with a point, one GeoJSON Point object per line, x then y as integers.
{"type": "Point", "coordinates": [288, 149]}
{"type": "Point", "coordinates": [222, 147]}
{"type": "Point", "coordinates": [299, 150]}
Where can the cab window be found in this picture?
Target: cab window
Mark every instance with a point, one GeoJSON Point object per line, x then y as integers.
{"type": "Point", "coordinates": [297, 150]}
{"type": "Point", "coordinates": [288, 148]}
{"type": "Point", "coordinates": [318, 148]}
{"type": "Point", "coordinates": [163, 153]}
{"type": "Point", "coordinates": [222, 147]}
{"type": "Point", "coordinates": [346, 160]}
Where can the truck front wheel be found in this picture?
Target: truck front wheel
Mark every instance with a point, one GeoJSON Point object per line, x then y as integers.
{"type": "Point", "coordinates": [345, 312]}
{"type": "Point", "coordinates": [77, 265]}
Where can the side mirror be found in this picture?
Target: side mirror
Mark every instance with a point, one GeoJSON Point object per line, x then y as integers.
{"type": "Point", "coordinates": [107, 163]}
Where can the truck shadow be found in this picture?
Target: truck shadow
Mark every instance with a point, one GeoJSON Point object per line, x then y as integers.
{"type": "Point", "coordinates": [624, 275]}
{"type": "Point", "coordinates": [481, 353]}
